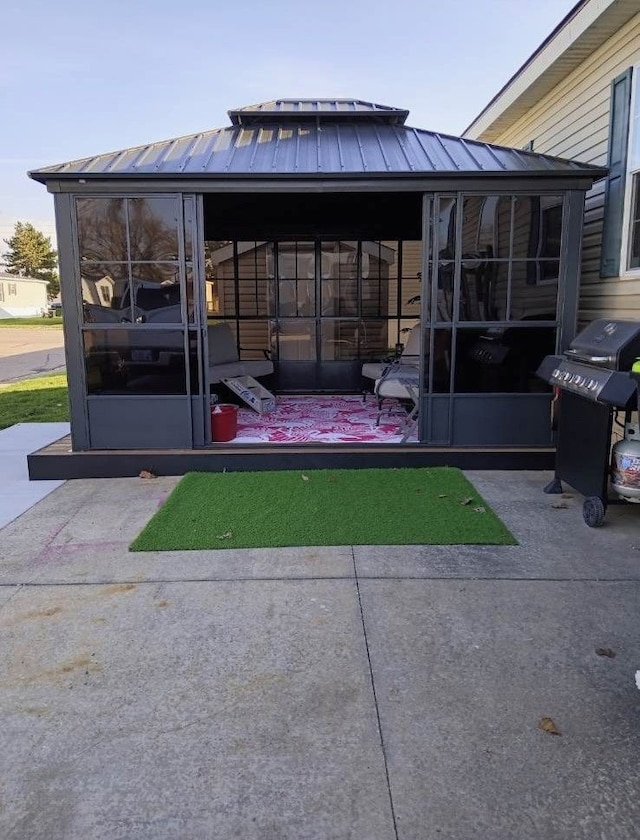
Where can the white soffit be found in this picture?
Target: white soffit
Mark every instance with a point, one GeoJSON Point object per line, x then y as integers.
{"type": "Point", "coordinates": [587, 28]}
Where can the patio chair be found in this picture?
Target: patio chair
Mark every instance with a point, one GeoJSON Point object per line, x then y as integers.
{"type": "Point", "coordinates": [410, 356]}
{"type": "Point", "coordinates": [400, 383]}
{"type": "Point", "coordinates": [224, 359]}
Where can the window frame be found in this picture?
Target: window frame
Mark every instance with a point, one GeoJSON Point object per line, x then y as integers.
{"type": "Point", "coordinates": [632, 177]}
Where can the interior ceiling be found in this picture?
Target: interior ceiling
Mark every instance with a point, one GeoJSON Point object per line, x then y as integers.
{"type": "Point", "coordinates": [298, 215]}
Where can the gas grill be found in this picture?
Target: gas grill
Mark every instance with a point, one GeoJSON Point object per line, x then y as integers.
{"type": "Point", "coordinates": [593, 379]}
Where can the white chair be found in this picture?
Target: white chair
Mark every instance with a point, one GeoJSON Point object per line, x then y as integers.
{"type": "Point", "coordinates": [224, 360]}
{"type": "Point", "coordinates": [410, 356]}
{"type": "Point", "coordinates": [400, 382]}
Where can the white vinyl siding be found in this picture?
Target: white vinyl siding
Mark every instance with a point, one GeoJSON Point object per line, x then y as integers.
{"type": "Point", "coordinates": [572, 121]}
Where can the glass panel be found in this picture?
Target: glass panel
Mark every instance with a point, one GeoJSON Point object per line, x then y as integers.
{"type": "Point", "coordinates": [483, 290]}
{"type": "Point", "coordinates": [444, 295]}
{"type": "Point", "coordinates": [339, 340]}
{"type": "Point", "coordinates": [297, 340]}
{"type": "Point", "coordinates": [219, 273]}
{"type": "Point", "coordinates": [102, 230]}
{"type": "Point", "coordinates": [486, 226]}
{"type": "Point", "coordinates": [153, 228]}
{"type": "Point", "coordinates": [374, 339]}
{"type": "Point", "coordinates": [501, 360]}
{"type": "Point", "coordinates": [634, 255]}
{"type": "Point", "coordinates": [532, 296]}
{"type": "Point", "coordinates": [254, 339]}
{"type": "Point", "coordinates": [252, 297]}
{"type": "Point", "coordinates": [156, 293]}
{"type": "Point", "coordinates": [537, 226]}
{"type": "Point", "coordinates": [190, 295]}
{"type": "Point", "coordinates": [296, 298]}
{"type": "Point", "coordinates": [135, 361]}
{"type": "Point", "coordinates": [441, 360]}
{"type": "Point", "coordinates": [444, 229]}
{"type": "Point", "coordinates": [105, 293]}
{"type": "Point", "coordinates": [189, 223]}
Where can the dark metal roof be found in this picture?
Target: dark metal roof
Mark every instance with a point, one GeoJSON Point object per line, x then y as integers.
{"type": "Point", "coordinates": [318, 110]}
{"type": "Point", "coordinates": [285, 147]}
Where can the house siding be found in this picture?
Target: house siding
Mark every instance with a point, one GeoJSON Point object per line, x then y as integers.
{"type": "Point", "coordinates": [572, 121]}
{"type": "Point", "coordinates": [21, 298]}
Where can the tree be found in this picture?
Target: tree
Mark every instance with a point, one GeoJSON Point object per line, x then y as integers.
{"type": "Point", "coordinates": [30, 255]}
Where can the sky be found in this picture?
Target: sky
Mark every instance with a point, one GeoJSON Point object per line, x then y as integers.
{"type": "Point", "coordinates": [80, 77]}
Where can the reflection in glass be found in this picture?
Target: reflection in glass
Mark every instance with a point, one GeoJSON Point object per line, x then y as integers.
{"type": "Point", "coordinates": [537, 227]}
{"type": "Point", "coordinates": [531, 298]}
{"type": "Point", "coordinates": [153, 229]}
{"type": "Point", "coordinates": [374, 338]}
{"type": "Point", "coordinates": [296, 298]}
{"type": "Point", "coordinates": [486, 226]}
{"type": "Point", "coordinates": [339, 340]}
{"type": "Point", "coordinates": [296, 339]}
{"type": "Point", "coordinates": [483, 290]}
{"type": "Point", "coordinates": [501, 359]}
{"type": "Point", "coordinates": [189, 222]}
{"type": "Point", "coordinates": [445, 290]}
{"type": "Point", "coordinates": [102, 229]}
{"type": "Point", "coordinates": [105, 293]}
{"type": "Point", "coordinates": [254, 339]}
{"type": "Point", "coordinates": [135, 361]}
{"type": "Point", "coordinates": [219, 278]}
{"type": "Point", "coordinates": [443, 241]}
{"type": "Point", "coordinates": [441, 362]}
{"type": "Point", "coordinates": [156, 290]}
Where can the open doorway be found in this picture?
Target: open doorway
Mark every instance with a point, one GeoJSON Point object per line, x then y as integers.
{"type": "Point", "coordinates": [332, 285]}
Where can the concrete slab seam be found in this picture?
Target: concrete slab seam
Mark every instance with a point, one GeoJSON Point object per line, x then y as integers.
{"type": "Point", "coordinates": [375, 697]}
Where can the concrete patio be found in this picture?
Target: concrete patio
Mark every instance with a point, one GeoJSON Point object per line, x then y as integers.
{"type": "Point", "coordinates": [368, 693]}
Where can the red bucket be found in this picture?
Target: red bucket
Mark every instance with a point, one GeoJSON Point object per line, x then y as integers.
{"type": "Point", "coordinates": [224, 422]}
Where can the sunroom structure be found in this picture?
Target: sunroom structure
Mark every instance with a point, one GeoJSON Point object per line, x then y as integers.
{"type": "Point", "coordinates": [321, 232]}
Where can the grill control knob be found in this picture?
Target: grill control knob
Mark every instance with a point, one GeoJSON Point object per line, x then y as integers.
{"type": "Point", "coordinates": [592, 385]}
{"type": "Point", "coordinates": [556, 373]}
{"type": "Point", "coordinates": [566, 377]}
{"type": "Point", "coordinates": [579, 380]}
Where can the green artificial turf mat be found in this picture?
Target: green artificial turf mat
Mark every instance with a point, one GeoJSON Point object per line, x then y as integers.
{"type": "Point", "coordinates": [430, 506]}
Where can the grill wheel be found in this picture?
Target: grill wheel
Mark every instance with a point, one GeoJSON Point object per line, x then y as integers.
{"type": "Point", "coordinates": [593, 511]}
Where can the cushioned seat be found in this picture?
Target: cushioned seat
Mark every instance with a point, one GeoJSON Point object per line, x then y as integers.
{"type": "Point", "coordinates": [409, 356]}
{"type": "Point", "coordinates": [224, 361]}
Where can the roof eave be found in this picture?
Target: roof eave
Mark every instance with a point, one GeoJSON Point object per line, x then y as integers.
{"type": "Point", "coordinates": [585, 171]}
{"type": "Point", "coordinates": [560, 53]}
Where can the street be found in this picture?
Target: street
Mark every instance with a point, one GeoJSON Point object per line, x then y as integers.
{"type": "Point", "coordinates": [30, 351]}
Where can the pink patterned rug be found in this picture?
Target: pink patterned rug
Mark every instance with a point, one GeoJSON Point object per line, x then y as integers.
{"type": "Point", "coordinates": [331, 419]}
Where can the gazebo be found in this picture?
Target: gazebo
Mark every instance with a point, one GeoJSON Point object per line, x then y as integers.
{"type": "Point", "coordinates": [320, 232]}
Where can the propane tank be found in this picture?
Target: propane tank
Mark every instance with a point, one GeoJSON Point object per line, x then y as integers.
{"type": "Point", "coordinates": [625, 465]}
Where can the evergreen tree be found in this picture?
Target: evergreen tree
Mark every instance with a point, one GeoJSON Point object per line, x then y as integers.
{"type": "Point", "coordinates": [30, 255]}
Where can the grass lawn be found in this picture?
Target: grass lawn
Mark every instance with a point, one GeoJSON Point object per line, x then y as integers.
{"type": "Point", "coordinates": [424, 506]}
{"type": "Point", "coordinates": [55, 323]}
{"type": "Point", "coordinates": [41, 400]}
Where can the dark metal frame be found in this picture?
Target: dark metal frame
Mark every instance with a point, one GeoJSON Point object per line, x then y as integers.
{"type": "Point", "coordinates": [189, 188]}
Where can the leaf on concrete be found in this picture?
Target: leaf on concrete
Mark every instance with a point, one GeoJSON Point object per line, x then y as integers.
{"type": "Point", "coordinates": [226, 536]}
{"type": "Point", "coordinates": [606, 652]}
{"type": "Point", "coordinates": [147, 474]}
{"type": "Point", "coordinates": [560, 506]}
{"type": "Point", "coordinates": [547, 725]}
{"type": "Point", "coordinates": [466, 501]}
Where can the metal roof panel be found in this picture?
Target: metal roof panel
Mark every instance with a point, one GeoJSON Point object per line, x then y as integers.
{"type": "Point", "coordinates": [309, 148]}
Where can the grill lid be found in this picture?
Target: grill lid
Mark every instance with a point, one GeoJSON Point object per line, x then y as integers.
{"type": "Point", "coordinates": [614, 345]}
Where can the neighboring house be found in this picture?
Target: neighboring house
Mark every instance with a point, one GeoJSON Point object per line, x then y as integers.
{"type": "Point", "coordinates": [22, 297]}
{"type": "Point", "coordinates": [578, 97]}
